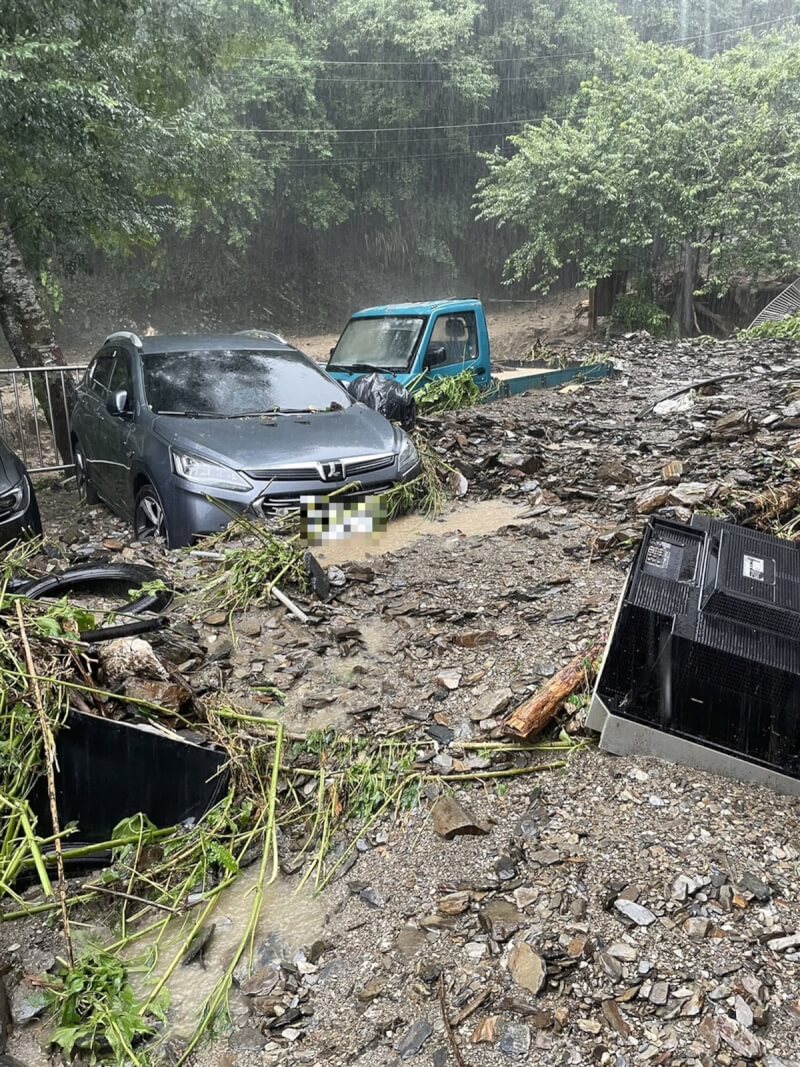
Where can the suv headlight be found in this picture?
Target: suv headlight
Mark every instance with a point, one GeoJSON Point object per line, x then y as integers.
{"type": "Point", "coordinates": [14, 500]}
{"type": "Point", "coordinates": [408, 457]}
{"type": "Point", "coordinates": [205, 472]}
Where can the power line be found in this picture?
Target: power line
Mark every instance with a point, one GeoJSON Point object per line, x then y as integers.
{"type": "Point", "coordinates": [370, 160]}
{"type": "Point", "coordinates": [370, 141]}
{"type": "Point", "coordinates": [541, 57]}
{"type": "Point", "coordinates": [390, 129]}
{"type": "Point", "coordinates": [352, 79]}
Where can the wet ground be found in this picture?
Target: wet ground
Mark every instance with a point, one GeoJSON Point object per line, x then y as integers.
{"type": "Point", "coordinates": [430, 629]}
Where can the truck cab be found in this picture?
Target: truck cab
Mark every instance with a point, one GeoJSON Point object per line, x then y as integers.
{"type": "Point", "coordinates": [407, 342]}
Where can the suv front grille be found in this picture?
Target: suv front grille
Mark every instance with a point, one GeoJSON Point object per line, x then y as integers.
{"type": "Point", "coordinates": [314, 472]}
{"type": "Point", "coordinates": [277, 503]}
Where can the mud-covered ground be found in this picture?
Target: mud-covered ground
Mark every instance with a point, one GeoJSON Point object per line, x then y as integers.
{"type": "Point", "coordinates": [525, 937]}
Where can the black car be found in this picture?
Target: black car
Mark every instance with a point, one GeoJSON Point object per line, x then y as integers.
{"type": "Point", "coordinates": [19, 511]}
{"type": "Point", "coordinates": [165, 429]}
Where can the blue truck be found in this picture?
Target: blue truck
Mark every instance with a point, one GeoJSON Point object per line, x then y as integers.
{"type": "Point", "coordinates": [415, 343]}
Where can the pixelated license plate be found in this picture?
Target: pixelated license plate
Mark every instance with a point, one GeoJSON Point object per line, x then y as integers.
{"type": "Point", "coordinates": [323, 520]}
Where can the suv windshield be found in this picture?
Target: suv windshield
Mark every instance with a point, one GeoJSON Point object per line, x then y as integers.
{"type": "Point", "coordinates": [234, 383]}
{"type": "Point", "coordinates": [386, 343]}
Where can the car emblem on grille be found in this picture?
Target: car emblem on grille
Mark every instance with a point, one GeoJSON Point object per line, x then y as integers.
{"type": "Point", "coordinates": [332, 472]}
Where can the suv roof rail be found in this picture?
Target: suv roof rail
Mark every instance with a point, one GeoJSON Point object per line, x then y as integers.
{"type": "Point", "coordinates": [124, 335]}
{"type": "Point", "coordinates": [261, 335]}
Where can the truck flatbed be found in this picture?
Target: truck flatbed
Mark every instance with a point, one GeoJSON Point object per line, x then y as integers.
{"type": "Point", "coordinates": [518, 380]}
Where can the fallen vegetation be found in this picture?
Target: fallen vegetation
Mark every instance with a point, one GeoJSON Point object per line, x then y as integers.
{"type": "Point", "coordinates": [321, 793]}
{"type": "Point", "coordinates": [452, 393]}
{"type": "Point", "coordinates": [786, 329]}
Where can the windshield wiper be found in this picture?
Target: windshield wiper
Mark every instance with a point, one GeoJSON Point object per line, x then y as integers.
{"type": "Point", "coordinates": [364, 368]}
{"type": "Point", "coordinates": [288, 411]}
{"type": "Point", "coordinates": [259, 414]}
{"type": "Point", "coordinates": [195, 414]}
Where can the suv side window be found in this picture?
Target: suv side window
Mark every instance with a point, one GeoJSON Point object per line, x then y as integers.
{"type": "Point", "coordinates": [121, 375]}
{"type": "Point", "coordinates": [100, 374]}
{"type": "Point", "coordinates": [459, 335]}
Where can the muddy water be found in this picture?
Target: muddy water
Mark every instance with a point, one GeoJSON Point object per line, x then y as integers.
{"type": "Point", "coordinates": [290, 920]}
{"type": "Point", "coordinates": [483, 517]}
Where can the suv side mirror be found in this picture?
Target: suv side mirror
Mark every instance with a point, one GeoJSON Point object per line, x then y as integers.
{"type": "Point", "coordinates": [117, 403]}
{"type": "Point", "coordinates": [435, 356]}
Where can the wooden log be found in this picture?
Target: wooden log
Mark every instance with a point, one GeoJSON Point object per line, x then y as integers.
{"type": "Point", "coordinates": [767, 505]}
{"type": "Point", "coordinates": [540, 709]}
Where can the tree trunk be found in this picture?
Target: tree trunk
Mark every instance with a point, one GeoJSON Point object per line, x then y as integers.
{"type": "Point", "coordinates": [31, 339]}
{"type": "Point", "coordinates": [684, 304]}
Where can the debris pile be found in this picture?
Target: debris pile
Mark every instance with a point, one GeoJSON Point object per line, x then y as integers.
{"type": "Point", "coordinates": [472, 908]}
{"type": "Point", "coordinates": [617, 450]}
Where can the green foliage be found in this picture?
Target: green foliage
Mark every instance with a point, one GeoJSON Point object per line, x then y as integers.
{"type": "Point", "coordinates": [97, 1011]}
{"type": "Point", "coordinates": [234, 146]}
{"type": "Point", "coordinates": [668, 152]}
{"type": "Point", "coordinates": [157, 585]}
{"type": "Point", "coordinates": [446, 393]}
{"type": "Point", "coordinates": [248, 571]}
{"type": "Point", "coordinates": [787, 329]}
{"type": "Point", "coordinates": [429, 492]}
{"type": "Point", "coordinates": [63, 619]}
{"type": "Point", "coordinates": [632, 311]}
{"type": "Point", "coordinates": [111, 125]}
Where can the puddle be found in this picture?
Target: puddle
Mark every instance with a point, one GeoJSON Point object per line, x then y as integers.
{"type": "Point", "coordinates": [289, 921]}
{"type": "Point", "coordinates": [482, 517]}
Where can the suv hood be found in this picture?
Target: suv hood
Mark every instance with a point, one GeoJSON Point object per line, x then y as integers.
{"type": "Point", "coordinates": [264, 441]}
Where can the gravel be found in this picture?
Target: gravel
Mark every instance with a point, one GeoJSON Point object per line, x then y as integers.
{"type": "Point", "coordinates": [650, 913]}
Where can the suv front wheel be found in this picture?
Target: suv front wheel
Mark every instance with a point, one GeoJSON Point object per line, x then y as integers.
{"type": "Point", "coordinates": [149, 520]}
{"type": "Point", "coordinates": [86, 491]}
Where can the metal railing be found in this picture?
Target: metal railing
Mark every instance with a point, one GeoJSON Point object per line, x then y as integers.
{"type": "Point", "coordinates": [785, 303]}
{"type": "Point", "coordinates": [24, 424]}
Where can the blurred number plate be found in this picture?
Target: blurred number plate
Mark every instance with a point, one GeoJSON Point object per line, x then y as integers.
{"type": "Point", "coordinates": [324, 520]}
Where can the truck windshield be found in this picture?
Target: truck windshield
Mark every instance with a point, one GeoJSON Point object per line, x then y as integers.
{"type": "Point", "coordinates": [386, 343]}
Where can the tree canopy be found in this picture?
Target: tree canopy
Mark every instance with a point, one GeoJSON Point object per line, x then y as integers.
{"type": "Point", "coordinates": [283, 156]}
{"type": "Point", "coordinates": [667, 151]}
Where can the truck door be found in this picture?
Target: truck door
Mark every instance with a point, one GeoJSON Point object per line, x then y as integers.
{"type": "Point", "coordinates": [457, 333]}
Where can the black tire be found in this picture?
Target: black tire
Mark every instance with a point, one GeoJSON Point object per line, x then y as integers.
{"type": "Point", "coordinates": [149, 517]}
{"type": "Point", "coordinates": [86, 491]}
{"type": "Point", "coordinates": [101, 577]}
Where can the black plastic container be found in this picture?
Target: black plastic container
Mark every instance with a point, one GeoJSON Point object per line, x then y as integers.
{"type": "Point", "coordinates": [107, 771]}
{"type": "Point", "coordinates": [707, 643]}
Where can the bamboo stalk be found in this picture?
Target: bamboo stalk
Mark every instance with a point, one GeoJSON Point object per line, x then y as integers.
{"type": "Point", "coordinates": [49, 757]}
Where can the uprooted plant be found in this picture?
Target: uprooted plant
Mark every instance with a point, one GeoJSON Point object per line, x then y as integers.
{"type": "Point", "coordinates": [247, 572]}
{"type": "Point", "coordinates": [97, 1012]}
{"type": "Point", "coordinates": [430, 491]}
{"type": "Point", "coordinates": [451, 393]}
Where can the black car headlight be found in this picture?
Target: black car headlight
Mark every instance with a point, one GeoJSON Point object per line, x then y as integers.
{"type": "Point", "coordinates": [407, 457]}
{"type": "Point", "coordinates": [14, 500]}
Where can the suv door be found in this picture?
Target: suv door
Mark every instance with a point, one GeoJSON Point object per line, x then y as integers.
{"type": "Point", "coordinates": [89, 424]}
{"type": "Point", "coordinates": [113, 432]}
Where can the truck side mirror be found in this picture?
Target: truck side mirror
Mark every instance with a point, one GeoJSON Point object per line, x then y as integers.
{"type": "Point", "coordinates": [435, 356]}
